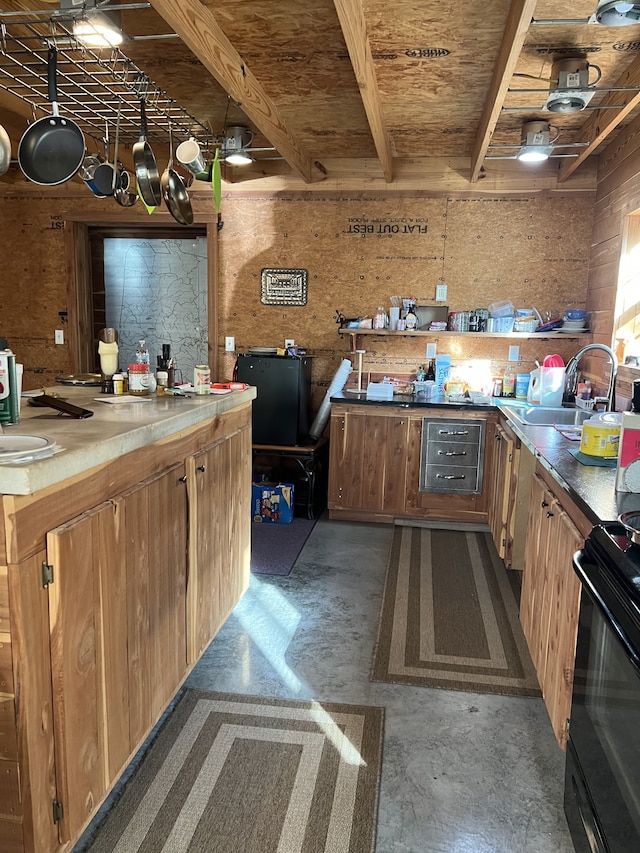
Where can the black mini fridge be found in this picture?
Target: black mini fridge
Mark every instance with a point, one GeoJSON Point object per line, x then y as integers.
{"type": "Point", "coordinates": [282, 408]}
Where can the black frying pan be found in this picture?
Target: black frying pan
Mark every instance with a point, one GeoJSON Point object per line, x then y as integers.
{"type": "Point", "coordinates": [145, 165]}
{"type": "Point", "coordinates": [51, 149]}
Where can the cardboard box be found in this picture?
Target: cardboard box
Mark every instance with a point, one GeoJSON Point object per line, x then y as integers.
{"type": "Point", "coordinates": [628, 473]}
{"type": "Point", "coordinates": [272, 504]}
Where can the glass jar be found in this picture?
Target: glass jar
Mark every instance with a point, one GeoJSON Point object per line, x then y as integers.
{"type": "Point", "coordinates": [380, 320]}
{"type": "Point", "coordinates": [139, 379]}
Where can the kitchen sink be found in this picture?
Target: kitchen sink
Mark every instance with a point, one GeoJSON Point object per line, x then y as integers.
{"type": "Point", "coordinates": [547, 416]}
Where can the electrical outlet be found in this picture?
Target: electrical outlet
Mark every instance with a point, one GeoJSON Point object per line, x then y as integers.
{"type": "Point", "coordinates": [229, 343]}
{"type": "Point", "coordinates": [514, 353]}
{"type": "Point", "coordinates": [59, 336]}
{"type": "Point", "coordinates": [288, 342]}
{"type": "Point", "coordinates": [431, 351]}
{"type": "Point", "coordinates": [441, 293]}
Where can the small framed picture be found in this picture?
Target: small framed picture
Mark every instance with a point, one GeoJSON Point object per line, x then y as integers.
{"type": "Point", "coordinates": [283, 287]}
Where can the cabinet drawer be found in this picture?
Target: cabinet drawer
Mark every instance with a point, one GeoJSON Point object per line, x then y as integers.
{"type": "Point", "coordinates": [453, 453]}
{"type": "Point", "coordinates": [460, 430]}
{"type": "Point", "coordinates": [451, 478]}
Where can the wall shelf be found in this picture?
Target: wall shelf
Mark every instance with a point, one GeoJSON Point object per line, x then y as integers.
{"type": "Point", "coordinates": [518, 335]}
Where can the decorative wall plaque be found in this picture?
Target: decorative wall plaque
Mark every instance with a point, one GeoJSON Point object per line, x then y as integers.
{"type": "Point", "coordinates": [283, 287]}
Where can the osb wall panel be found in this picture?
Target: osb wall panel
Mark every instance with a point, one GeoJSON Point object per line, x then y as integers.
{"type": "Point", "coordinates": [359, 251]}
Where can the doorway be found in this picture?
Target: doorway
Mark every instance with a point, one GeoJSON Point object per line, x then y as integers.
{"type": "Point", "coordinates": [152, 286]}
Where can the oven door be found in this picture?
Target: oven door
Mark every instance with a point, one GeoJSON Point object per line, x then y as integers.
{"type": "Point", "coordinates": [602, 790]}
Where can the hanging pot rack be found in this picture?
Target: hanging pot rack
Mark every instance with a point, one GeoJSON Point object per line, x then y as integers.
{"type": "Point", "coordinates": [93, 84]}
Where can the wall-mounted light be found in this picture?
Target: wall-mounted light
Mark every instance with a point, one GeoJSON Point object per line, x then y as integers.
{"type": "Point", "coordinates": [236, 148]}
{"type": "Point", "coordinates": [537, 141]}
{"type": "Point", "coordinates": [614, 13]}
{"type": "Point", "coordinates": [92, 25]}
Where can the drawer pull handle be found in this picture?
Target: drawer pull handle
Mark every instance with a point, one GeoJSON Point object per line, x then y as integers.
{"type": "Point", "coordinates": [450, 476]}
{"type": "Point", "coordinates": [453, 432]}
{"type": "Point", "coordinates": [201, 468]}
{"type": "Point", "coordinates": [544, 503]}
{"type": "Point", "coordinates": [182, 479]}
{"type": "Point", "coordinates": [452, 453]}
{"type": "Point", "coordinates": [549, 514]}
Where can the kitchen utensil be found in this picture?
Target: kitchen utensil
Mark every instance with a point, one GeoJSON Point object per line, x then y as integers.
{"type": "Point", "coordinates": [87, 171]}
{"type": "Point", "coordinates": [51, 149]}
{"type": "Point", "coordinates": [145, 165]}
{"type": "Point", "coordinates": [14, 446]}
{"type": "Point", "coordinates": [5, 150]}
{"type": "Point", "coordinates": [174, 192]}
{"type": "Point", "coordinates": [121, 192]}
{"type": "Point", "coordinates": [79, 379]}
{"type": "Point", "coordinates": [188, 153]}
{"type": "Point", "coordinates": [104, 177]}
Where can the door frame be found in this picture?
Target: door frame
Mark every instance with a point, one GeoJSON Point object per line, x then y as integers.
{"type": "Point", "coordinates": [80, 291]}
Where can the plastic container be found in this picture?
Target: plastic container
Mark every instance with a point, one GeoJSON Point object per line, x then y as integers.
{"type": "Point", "coordinates": [502, 308]}
{"type": "Point", "coordinates": [551, 386]}
{"type": "Point", "coordinates": [601, 435]}
{"type": "Point", "coordinates": [533, 391]}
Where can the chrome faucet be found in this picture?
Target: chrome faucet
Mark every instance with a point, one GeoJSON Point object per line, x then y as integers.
{"type": "Point", "coordinates": [571, 374]}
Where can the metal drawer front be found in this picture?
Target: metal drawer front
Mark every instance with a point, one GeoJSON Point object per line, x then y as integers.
{"type": "Point", "coordinates": [451, 478]}
{"type": "Point", "coordinates": [453, 453]}
{"type": "Point", "coordinates": [454, 431]}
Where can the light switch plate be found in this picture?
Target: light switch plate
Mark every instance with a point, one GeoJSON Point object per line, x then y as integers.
{"type": "Point", "coordinates": [514, 353]}
{"type": "Point", "coordinates": [229, 343]}
{"type": "Point", "coordinates": [59, 336]}
{"type": "Point", "coordinates": [288, 342]}
{"type": "Point", "coordinates": [441, 293]}
{"type": "Point", "coordinates": [431, 351]}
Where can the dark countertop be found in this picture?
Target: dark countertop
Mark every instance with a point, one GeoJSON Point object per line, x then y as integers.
{"type": "Point", "coordinates": [592, 488]}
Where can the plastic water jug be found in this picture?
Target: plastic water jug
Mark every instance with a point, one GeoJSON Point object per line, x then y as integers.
{"type": "Point", "coordinates": [551, 386]}
{"type": "Point", "coordinates": [533, 391]}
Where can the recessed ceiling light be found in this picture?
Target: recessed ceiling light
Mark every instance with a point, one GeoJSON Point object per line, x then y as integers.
{"type": "Point", "coordinates": [614, 13]}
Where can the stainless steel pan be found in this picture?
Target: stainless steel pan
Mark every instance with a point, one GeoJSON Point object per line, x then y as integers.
{"type": "Point", "coordinates": [145, 165]}
{"type": "Point", "coordinates": [174, 192]}
{"type": "Point", "coordinates": [5, 150]}
{"type": "Point", "coordinates": [51, 149]}
{"type": "Point", "coordinates": [121, 178]}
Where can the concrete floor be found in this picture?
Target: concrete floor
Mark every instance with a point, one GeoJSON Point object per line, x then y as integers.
{"type": "Point", "coordinates": [461, 772]}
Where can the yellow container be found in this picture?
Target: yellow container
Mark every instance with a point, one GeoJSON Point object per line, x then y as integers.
{"type": "Point", "coordinates": [601, 436]}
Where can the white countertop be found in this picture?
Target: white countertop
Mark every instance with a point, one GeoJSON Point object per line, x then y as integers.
{"type": "Point", "coordinates": [113, 430]}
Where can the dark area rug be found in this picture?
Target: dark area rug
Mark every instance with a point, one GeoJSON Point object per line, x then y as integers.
{"type": "Point", "coordinates": [276, 547]}
{"type": "Point", "coordinates": [242, 774]}
{"type": "Point", "coordinates": [450, 617]}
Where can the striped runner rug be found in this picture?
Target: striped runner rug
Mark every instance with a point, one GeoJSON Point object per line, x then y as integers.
{"type": "Point", "coordinates": [241, 774]}
{"type": "Point", "coordinates": [449, 616]}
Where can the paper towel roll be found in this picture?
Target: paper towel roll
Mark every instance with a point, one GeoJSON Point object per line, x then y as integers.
{"type": "Point", "coordinates": [337, 384]}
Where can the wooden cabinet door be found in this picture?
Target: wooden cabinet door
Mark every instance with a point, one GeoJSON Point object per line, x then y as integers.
{"type": "Point", "coordinates": [500, 499]}
{"type": "Point", "coordinates": [564, 604]}
{"type": "Point", "coordinates": [88, 643]}
{"type": "Point", "coordinates": [368, 461]}
{"type": "Point", "coordinates": [156, 559]}
{"type": "Point", "coordinates": [532, 617]}
{"type": "Point", "coordinates": [219, 488]}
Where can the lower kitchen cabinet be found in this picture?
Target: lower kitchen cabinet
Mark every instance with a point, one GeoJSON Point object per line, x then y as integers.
{"type": "Point", "coordinates": [550, 596]}
{"type": "Point", "coordinates": [375, 463]}
{"type": "Point", "coordinates": [368, 462]}
{"type": "Point", "coordinates": [104, 607]}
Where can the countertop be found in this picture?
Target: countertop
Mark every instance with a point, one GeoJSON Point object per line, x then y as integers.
{"type": "Point", "coordinates": [114, 429]}
{"type": "Point", "coordinates": [591, 488]}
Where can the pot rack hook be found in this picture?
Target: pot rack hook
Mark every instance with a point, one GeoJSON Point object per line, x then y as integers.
{"type": "Point", "coordinates": [3, 37]}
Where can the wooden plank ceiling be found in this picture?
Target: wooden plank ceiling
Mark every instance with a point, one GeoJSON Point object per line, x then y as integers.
{"type": "Point", "coordinates": [338, 84]}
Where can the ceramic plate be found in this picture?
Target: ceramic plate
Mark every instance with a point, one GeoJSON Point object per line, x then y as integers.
{"type": "Point", "coordinates": [14, 446]}
{"type": "Point", "coordinates": [573, 331]}
{"type": "Point", "coordinates": [80, 379]}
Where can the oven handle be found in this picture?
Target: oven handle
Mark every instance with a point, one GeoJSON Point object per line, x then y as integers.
{"type": "Point", "coordinates": [582, 573]}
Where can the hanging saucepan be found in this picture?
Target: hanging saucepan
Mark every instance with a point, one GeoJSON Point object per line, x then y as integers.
{"type": "Point", "coordinates": [145, 165]}
{"type": "Point", "coordinates": [87, 171]}
{"type": "Point", "coordinates": [5, 150]}
{"type": "Point", "coordinates": [104, 175]}
{"type": "Point", "coordinates": [174, 192]}
{"type": "Point", "coordinates": [121, 178]}
{"type": "Point", "coordinates": [51, 149]}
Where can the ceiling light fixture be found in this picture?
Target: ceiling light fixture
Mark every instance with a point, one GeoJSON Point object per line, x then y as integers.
{"type": "Point", "coordinates": [236, 148]}
{"type": "Point", "coordinates": [570, 89]}
{"type": "Point", "coordinates": [94, 26]}
{"type": "Point", "coordinates": [537, 143]}
{"type": "Point", "coordinates": [614, 13]}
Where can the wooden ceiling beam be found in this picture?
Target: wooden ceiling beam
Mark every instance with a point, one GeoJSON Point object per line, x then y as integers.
{"type": "Point", "coordinates": [601, 124]}
{"type": "Point", "coordinates": [515, 32]}
{"type": "Point", "coordinates": [354, 30]}
{"type": "Point", "coordinates": [197, 27]}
